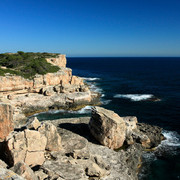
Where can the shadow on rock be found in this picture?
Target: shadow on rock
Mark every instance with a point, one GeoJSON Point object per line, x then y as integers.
{"type": "Point", "coordinates": [81, 129]}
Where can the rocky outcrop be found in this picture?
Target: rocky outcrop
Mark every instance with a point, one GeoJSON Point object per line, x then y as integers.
{"type": "Point", "coordinates": [10, 83]}
{"type": "Point", "coordinates": [60, 60]}
{"type": "Point", "coordinates": [107, 127]}
{"type": "Point", "coordinates": [80, 156]}
{"type": "Point", "coordinates": [6, 120]}
{"type": "Point", "coordinates": [19, 84]}
{"type": "Point", "coordinates": [154, 133]}
{"type": "Point", "coordinates": [83, 158]}
{"type": "Point", "coordinates": [44, 92]}
{"type": "Point", "coordinates": [29, 145]}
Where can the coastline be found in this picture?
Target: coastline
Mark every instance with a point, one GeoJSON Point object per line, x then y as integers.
{"type": "Point", "coordinates": [75, 131]}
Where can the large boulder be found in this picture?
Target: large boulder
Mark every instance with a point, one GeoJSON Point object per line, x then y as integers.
{"type": "Point", "coordinates": [107, 127]}
{"type": "Point", "coordinates": [27, 146]}
{"type": "Point", "coordinates": [6, 120]}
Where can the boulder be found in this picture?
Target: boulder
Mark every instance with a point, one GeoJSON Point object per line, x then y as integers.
{"type": "Point", "coordinates": [25, 171]}
{"type": "Point", "coordinates": [107, 127]}
{"type": "Point", "coordinates": [53, 137]}
{"type": "Point", "coordinates": [6, 120]}
{"type": "Point", "coordinates": [27, 146]}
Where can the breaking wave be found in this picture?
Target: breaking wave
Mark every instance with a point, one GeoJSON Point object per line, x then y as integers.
{"type": "Point", "coordinates": [90, 79]}
{"type": "Point", "coordinates": [135, 97]}
{"type": "Point", "coordinates": [168, 148]}
{"type": "Point", "coordinates": [85, 110]}
{"type": "Point", "coordinates": [172, 139]}
{"type": "Point", "coordinates": [95, 88]}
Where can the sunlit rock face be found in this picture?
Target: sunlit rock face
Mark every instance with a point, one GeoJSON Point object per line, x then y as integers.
{"type": "Point", "coordinates": [6, 120]}
{"type": "Point", "coordinates": [107, 127]}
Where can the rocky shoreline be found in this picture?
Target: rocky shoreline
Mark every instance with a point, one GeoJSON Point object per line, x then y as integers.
{"type": "Point", "coordinates": [60, 90]}
{"type": "Point", "coordinates": [104, 146]}
{"type": "Point", "coordinates": [72, 149]}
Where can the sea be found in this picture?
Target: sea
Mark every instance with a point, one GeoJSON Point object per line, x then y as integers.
{"type": "Point", "coordinates": [148, 88]}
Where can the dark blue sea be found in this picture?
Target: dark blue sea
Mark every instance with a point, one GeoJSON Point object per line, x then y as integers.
{"type": "Point", "coordinates": [127, 86]}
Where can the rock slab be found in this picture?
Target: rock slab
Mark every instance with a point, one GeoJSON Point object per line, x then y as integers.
{"type": "Point", "coordinates": [107, 127]}
{"type": "Point", "coordinates": [6, 120]}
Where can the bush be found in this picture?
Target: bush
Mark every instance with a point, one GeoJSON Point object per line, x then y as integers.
{"type": "Point", "coordinates": [27, 64]}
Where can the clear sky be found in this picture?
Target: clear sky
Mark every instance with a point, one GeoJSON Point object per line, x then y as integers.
{"type": "Point", "coordinates": [91, 27]}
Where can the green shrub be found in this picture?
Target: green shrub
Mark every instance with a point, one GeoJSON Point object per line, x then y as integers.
{"type": "Point", "coordinates": [27, 64]}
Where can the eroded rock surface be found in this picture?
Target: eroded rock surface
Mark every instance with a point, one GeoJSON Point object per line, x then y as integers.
{"type": "Point", "coordinates": [44, 92]}
{"type": "Point", "coordinates": [9, 175]}
{"type": "Point", "coordinates": [53, 138]}
{"type": "Point", "coordinates": [25, 171]}
{"type": "Point", "coordinates": [84, 158]}
{"type": "Point", "coordinates": [6, 120]}
{"type": "Point", "coordinates": [58, 61]}
{"type": "Point", "coordinates": [27, 146]}
{"type": "Point", "coordinates": [107, 127]}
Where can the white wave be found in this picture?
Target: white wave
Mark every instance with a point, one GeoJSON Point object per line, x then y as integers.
{"type": "Point", "coordinates": [84, 110]}
{"type": "Point", "coordinates": [172, 139]}
{"type": "Point", "coordinates": [105, 102]}
{"type": "Point", "coordinates": [90, 79]}
{"type": "Point", "coordinates": [94, 88]}
{"type": "Point", "coordinates": [135, 97]}
{"type": "Point", "coordinates": [102, 95]}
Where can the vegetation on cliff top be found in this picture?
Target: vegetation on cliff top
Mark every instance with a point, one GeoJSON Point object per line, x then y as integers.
{"type": "Point", "coordinates": [26, 64]}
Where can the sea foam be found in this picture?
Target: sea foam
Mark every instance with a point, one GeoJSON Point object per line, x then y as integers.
{"type": "Point", "coordinates": [135, 97]}
{"type": "Point", "coordinates": [90, 79]}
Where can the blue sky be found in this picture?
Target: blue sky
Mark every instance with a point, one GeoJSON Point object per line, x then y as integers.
{"type": "Point", "coordinates": [91, 27]}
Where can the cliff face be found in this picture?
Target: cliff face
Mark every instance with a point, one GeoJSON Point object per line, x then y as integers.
{"type": "Point", "coordinates": [43, 92]}
{"type": "Point", "coordinates": [63, 76]}
{"type": "Point", "coordinates": [59, 61]}
{"type": "Point", "coordinates": [6, 120]}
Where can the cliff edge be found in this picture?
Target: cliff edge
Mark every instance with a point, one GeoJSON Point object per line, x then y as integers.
{"type": "Point", "coordinates": [42, 92]}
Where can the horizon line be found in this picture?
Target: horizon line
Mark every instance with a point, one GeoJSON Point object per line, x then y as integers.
{"type": "Point", "coordinates": [123, 56]}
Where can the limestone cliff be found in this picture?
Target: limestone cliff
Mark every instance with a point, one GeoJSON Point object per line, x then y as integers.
{"type": "Point", "coordinates": [64, 76]}
{"type": "Point", "coordinates": [60, 89]}
{"type": "Point", "coordinates": [58, 61]}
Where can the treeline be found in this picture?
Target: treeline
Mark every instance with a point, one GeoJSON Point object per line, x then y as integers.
{"type": "Point", "coordinates": [26, 64]}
